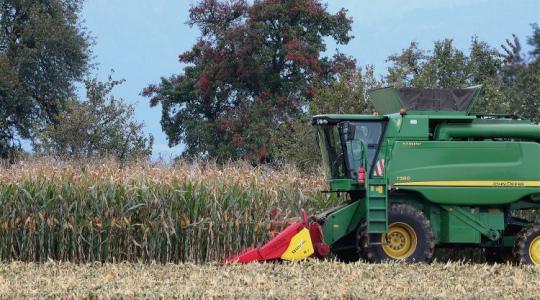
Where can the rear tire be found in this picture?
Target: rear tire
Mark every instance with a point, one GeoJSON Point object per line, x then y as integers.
{"type": "Point", "coordinates": [527, 245]}
{"type": "Point", "coordinates": [409, 238]}
{"type": "Point", "coordinates": [498, 255]}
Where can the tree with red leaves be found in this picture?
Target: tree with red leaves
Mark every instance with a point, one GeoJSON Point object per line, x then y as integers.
{"type": "Point", "coordinates": [254, 68]}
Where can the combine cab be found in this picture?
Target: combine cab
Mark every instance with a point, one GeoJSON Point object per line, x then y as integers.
{"type": "Point", "coordinates": [424, 173]}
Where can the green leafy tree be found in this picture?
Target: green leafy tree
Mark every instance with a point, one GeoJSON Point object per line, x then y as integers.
{"type": "Point", "coordinates": [43, 51]}
{"type": "Point", "coordinates": [448, 67]}
{"type": "Point", "coordinates": [255, 67]}
{"type": "Point", "coordinates": [296, 140]}
{"type": "Point", "coordinates": [100, 126]}
{"type": "Point", "coordinates": [345, 95]}
{"type": "Point", "coordinates": [484, 67]}
{"type": "Point", "coordinates": [521, 76]}
{"type": "Point", "coordinates": [406, 66]}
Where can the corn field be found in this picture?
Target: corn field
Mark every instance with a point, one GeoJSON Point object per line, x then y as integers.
{"type": "Point", "coordinates": [100, 211]}
{"type": "Point", "coordinates": [186, 212]}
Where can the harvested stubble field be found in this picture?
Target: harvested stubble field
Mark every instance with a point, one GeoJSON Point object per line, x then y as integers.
{"type": "Point", "coordinates": [312, 279]}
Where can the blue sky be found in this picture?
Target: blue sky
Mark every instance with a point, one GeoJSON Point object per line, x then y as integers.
{"type": "Point", "coordinates": [141, 39]}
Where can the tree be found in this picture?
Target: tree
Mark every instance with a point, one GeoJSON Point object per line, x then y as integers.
{"type": "Point", "coordinates": [43, 51]}
{"type": "Point", "coordinates": [255, 67]}
{"type": "Point", "coordinates": [406, 66]}
{"type": "Point", "coordinates": [521, 76]}
{"type": "Point", "coordinates": [100, 126]}
{"type": "Point", "coordinates": [448, 67]}
{"type": "Point", "coordinates": [295, 141]}
{"type": "Point", "coordinates": [345, 95]}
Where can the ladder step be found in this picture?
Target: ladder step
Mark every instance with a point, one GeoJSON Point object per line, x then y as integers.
{"type": "Point", "coordinates": [377, 206]}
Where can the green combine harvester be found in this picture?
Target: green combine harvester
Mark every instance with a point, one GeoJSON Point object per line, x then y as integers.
{"type": "Point", "coordinates": [423, 173]}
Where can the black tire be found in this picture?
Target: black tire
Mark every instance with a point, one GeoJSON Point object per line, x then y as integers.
{"type": "Point", "coordinates": [400, 217]}
{"type": "Point", "coordinates": [361, 237]}
{"type": "Point", "coordinates": [347, 251]}
{"type": "Point", "coordinates": [347, 256]}
{"type": "Point", "coordinates": [498, 255]}
{"type": "Point", "coordinates": [527, 245]}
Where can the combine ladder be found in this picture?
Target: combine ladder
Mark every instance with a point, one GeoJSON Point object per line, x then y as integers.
{"type": "Point", "coordinates": [377, 205]}
{"type": "Point", "coordinates": [376, 199]}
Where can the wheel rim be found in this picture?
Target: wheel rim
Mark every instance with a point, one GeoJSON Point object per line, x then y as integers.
{"type": "Point", "coordinates": [400, 241]}
{"type": "Point", "coordinates": [534, 251]}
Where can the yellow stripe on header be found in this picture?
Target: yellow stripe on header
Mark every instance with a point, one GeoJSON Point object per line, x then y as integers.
{"type": "Point", "coordinates": [477, 183]}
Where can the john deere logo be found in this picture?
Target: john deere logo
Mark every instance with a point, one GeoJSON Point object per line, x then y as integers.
{"type": "Point", "coordinates": [508, 183]}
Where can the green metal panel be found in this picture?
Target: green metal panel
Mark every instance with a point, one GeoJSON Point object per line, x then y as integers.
{"type": "Point", "coordinates": [488, 130]}
{"type": "Point", "coordinates": [466, 173]}
{"type": "Point", "coordinates": [415, 127]}
{"type": "Point", "coordinates": [454, 230]}
{"type": "Point", "coordinates": [344, 185]}
{"type": "Point", "coordinates": [488, 196]}
{"type": "Point", "coordinates": [343, 221]}
{"type": "Point", "coordinates": [468, 224]}
{"type": "Point", "coordinates": [386, 100]}
{"type": "Point", "coordinates": [347, 117]}
{"type": "Point", "coordinates": [446, 116]}
{"type": "Point", "coordinates": [493, 218]}
{"type": "Point", "coordinates": [470, 219]}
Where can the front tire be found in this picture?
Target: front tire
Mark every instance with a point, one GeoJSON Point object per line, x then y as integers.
{"type": "Point", "coordinates": [527, 245]}
{"type": "Point", "coordinates": [347, 256]}
{"type": "Point", "coordinates": [409, 237]}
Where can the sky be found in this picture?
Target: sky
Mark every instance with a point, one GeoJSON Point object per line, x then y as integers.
{"type": "Point", "coordinates": [141, 39]}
